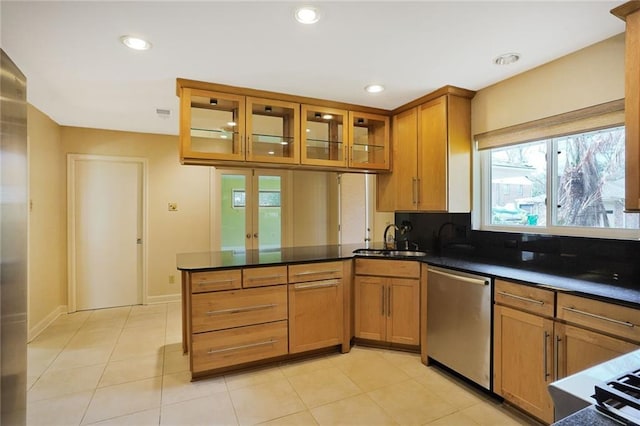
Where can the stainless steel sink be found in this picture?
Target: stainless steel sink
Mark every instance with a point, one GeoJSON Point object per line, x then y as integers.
{"type": "Point", "coordinates": [389, 253]}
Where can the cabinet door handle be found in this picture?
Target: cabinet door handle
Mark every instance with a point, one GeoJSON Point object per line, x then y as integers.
{"type": "Point", "coordinates": [383, 301]}
{"type": "Point", "coordinates": [306, 273]}
{"type": "Point", "coordinates": [418, 190]}
{"type": "Point", "coordinates": [265, 277]}
{"type": "Point", "coordinates": [556, 355]}
{"type": "Point", "coordinates": [241, 310]}
{"type": "Point", "coordinates": [545, 338]}
{"type": "Point", "coordinates": [215, 282]}
{"type": "Point", "coordinates": [414, 184]}
{"type": "Point", "coordinates": [316, 284]}
{"type": "Point", "coordinates": [600, 317]}
{"type": "Point", "coordinates": [389, 301]}
{"type": "Point", "coordinates": [522, 298]}
{"type": "Point", "coordinates": [240, 347]}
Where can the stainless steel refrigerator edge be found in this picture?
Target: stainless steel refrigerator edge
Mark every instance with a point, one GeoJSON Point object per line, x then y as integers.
{"type": "Point", "coordinates": [459, 323]}
{"type": "Point", "coordinates": [13, 244]}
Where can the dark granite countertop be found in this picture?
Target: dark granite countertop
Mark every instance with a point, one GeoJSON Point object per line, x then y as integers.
{"type": "Point", "coordinates": [626, 292]}
{"type": "Point", "coordinates": [587, 416]}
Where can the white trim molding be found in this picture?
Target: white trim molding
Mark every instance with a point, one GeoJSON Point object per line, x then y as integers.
{"type": "Point", "coordinates": [46, 322]}
{"type": "Point", "coordinates": [165, 298]}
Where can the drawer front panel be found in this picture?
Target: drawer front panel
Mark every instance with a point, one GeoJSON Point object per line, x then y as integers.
{"type": "Point", "coordinates": [225, 348]}
{"type": "Point", "coordinates": [616, 320]}
{"type": "Point", "coordinates": [536, 300]}
{"type": "Point", "coordinates": [388, 268]}
{"type": "Point", "coordinates": [260, 277]}
{"type": "Point", "coordinates": [237, 308]}
{"type": "Point", "coordinates": [315, 271]}
{"type": "Point", "coordinates": [215, 280]}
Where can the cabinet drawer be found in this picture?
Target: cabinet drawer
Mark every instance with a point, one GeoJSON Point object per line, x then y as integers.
{"type": "Point", "coordinates": [260, 277]}
{"type": "Point", "coordinates": [314, 271]}
{"type": "Point", "coordinates": [527, 298]}
{"type": "Point", "coordinates": [224, 348]}
{"type": "Point", "coordinates": [215, 280]}
{"type": "Point", "coordinates": [236, 308]}
{"type": "Point", "coordinates": [388, 268]}
{"type": "Point", "coordinates": [616, 320]}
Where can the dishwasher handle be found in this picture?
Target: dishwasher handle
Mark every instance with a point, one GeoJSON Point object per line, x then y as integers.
{"type": "Point", "coordinates": [469, 280]}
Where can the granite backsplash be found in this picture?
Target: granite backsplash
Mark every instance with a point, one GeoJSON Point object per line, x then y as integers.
{"type": "Point", "coordinates": [592, 259]}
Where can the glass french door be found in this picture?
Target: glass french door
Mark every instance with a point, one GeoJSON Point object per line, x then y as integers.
{"type": "Point", "coordinates": [249, 209]}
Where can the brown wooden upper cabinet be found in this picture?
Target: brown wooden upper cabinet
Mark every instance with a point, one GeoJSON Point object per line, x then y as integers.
{"type": "Point", "coordinates": [369, 141]}
{"type": "Point", "coordinates": [273, 131]}
{"type": "Point", "coordinates": [223, 126]}
{"type": "Point", "coordinates": [431, 155]}
{"type": "Point", "coordinates": [211, 125]}
{"type": "Point", "coordinates": [324, 136]}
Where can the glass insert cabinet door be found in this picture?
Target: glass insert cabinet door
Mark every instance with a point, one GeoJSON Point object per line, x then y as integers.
{"type": "Point", "coordinates": [369, 140]}
{"type": "Point", "coordinates": [324, 136]}
{"type": "Point", "coordinates": [273, 131]}
{"type": "Point", "coordinates": [212, 125]}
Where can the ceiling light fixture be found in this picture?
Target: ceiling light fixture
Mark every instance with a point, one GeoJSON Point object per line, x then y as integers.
{"type": "Point", "coordinates": [507, 59]}
{"type": "Point", "coordinates": [307, 15]}
{"type": "Point", "coordinates": [374, 88]}
{"type": "Point", "coordinates": [135, 43]}
{"type": "Point", "coordinates": [327, 116]}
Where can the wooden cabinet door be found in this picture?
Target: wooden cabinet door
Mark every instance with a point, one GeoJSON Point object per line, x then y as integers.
{"type": "Point", "coordinates": [405, 139]}
{"type": "Point", "coordinates": [368, 141]}
{"type": "Point", "coordinates": [523, 360]}
{"type": "Point", "coordinates": [324, 135]}
{"type": "Point", "coordinates": [316, 314]}
{"type": "Point", "coordinates": [370, 308]}
{"type": "Point", "coordinates": [273, 131]}
{"type": "Point", "coordinates": [403, 311]}
{"type": "Point", "coordinates": [577, 349]}
{"type": "Point", "coordinates": [432, 155]}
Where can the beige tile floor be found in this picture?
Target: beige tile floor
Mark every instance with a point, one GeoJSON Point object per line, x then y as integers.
{"type": "Point", "coordinates": [124, 366]}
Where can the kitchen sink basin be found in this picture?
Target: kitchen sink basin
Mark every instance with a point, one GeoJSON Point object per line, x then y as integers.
{"type": "Point", "coordinates": [389, 252]}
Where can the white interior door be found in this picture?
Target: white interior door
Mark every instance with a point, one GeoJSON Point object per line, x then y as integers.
{"type": "Point", "coordinates": [106, 197]}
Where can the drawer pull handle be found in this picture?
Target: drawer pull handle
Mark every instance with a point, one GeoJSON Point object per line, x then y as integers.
{"type": "Point", "coordinates": [238, 348]}
{"type": "Point", "coordinates": [524, 299]}
{"type": "Point", "coordinates": [316, 284]}
{"type": "Point", "coordinates": [306, 273]}
{"type": "Point", "coordinates": [266, 277]}
{"type": "Point", "coordinates": [215, 282]}
{"type": "Point", "coordinates": [240, 310]}
{"type": "Point", "coordinates": [589, 314]}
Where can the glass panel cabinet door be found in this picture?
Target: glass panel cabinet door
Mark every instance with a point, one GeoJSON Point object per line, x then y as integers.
{"type": "Point", "coordinates": [212, 125]}
{"type": "Point", "coordinates": [324, 136]}
{"type": "Point", "coordinates": [273, 131]}
{"type": "Point", "coordinates": [369, 140]}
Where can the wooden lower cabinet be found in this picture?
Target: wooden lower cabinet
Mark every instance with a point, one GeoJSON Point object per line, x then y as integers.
{"type": "Point", "coordinates": [387, 309]}
{"type": "Point", "coordinates": [224, 348]}
{"type": "Point", "coordinates": [523, 360]}
{"type": "Point", "coordinates": [578, 349]}
{"type": "Point", "coordinates": [316, 315]}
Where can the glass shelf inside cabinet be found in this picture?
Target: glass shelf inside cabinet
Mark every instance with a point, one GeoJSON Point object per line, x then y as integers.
{"type": "Point", "coordinates": [369, 145]}
{"type": "Point", "coordinates": [214, 125]}
{"type": "Point", "coordinates": [324, 137]}
{"type": "Point", "coordinates": [273, 129]}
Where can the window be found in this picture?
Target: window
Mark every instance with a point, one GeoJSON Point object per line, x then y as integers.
{"type": "Point", "coordinates": [573, 181]}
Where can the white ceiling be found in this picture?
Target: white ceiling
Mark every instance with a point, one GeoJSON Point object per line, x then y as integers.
{"type": "Point", "coordinates": [80, 75]}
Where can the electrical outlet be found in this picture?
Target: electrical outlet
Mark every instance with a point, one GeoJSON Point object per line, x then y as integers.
{"type": "Point", "coordinates": [173, 207]}
{"type": "Point", "coordinates": [172, 279]}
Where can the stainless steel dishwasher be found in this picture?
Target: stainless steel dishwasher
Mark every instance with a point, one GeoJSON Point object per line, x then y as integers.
{"type": "Point", "coordinates": [459, 323]}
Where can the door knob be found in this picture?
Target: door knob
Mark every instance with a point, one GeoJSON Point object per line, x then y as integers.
{"type": "Point", "coordinates": [255, 235]}
{"type": "Point", "coordinates": [248, 236]}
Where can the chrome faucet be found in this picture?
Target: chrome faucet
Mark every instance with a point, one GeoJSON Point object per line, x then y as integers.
{"type": "Point", "coordinates": [386, 230]}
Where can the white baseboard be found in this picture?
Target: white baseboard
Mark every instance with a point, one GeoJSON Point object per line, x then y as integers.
{"type": "Point", "coordinates": [46, 322]}
{"type": "Point", "coordinates": [163, 299]}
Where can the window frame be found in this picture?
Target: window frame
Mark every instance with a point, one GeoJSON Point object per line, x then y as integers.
{"type": "Point", "coordinates": [484, 159]}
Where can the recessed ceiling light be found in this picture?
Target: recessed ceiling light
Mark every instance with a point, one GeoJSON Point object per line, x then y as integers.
{"type": "Point", "coordinates": [374, 88]}
{"type": "Point", "coordinates": [507, 59]}
{"type": "Point", "coordinates": [135, 43]}
{"type": "Point", "coordinates": [307, 15]}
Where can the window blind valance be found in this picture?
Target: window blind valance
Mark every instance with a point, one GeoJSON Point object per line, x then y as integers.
{"type": "Point", "coordinates": [600, 116]}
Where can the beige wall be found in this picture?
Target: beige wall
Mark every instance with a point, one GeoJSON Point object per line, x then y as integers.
{"type": "Point", "coordinates": [590, 76]}
{"type": "Point", "coordinates": [185, 230]}
{"type": "Point", "coordinates": [47, 289]}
